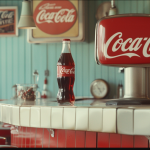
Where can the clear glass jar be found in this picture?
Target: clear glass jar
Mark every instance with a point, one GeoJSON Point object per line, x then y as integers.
{"type": "Point", "coordinates": [27, 91]}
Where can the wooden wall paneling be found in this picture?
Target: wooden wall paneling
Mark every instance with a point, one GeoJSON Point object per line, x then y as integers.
{"type": "Point", "coordinates": [28, 61]}
{"type": "Point", "coordinates": [127, 7]}
{"type": "Point", "coordinates": [33, 137]}
{"type": "Point", "coordinates": [28, 137]}
{"type": "Point", "coordinates": [85, 70]}
{"type": "Point", "coordinates": [140, 6]}
{"type": "Point", "coordinates": [53, 140]}
{"type": "Point", "coordinates": [115, 140]}
{"type": "Point", "coordinates": [73, 52]}
{"type": "Point", "coordinates": [58, 53]}
{"type": "Point", "coordinates": [91, 39]}
{"type": "Point", "coordinates": [46, 138]}
{"type": "Point", "coordinates": [3, 57]}
{"type": "Point", "coordinates": [112, 82]}
{"type": "Point", "coordinates": [140, 142]}
{"type": "Point", "coordinates": [127, 141]}
{"type": "Point", "coordinates": [15, 56]}
{"type": "Point", "coordinates": [39, 62]}
{"type": "Point", "coordinates": [121, 6]}
{"type": "Point", "coordinates": [90, 139]}
{"type": "Point", "coordinates": [70, 138]}
{"type": "Point", "coordinates": [134, 6]}
{"type": "Point", "coordinates": [61, 138]}
{"type": "Point", "coordinates": [80, 139]}
{"type": "Point", "coordinates": [103, 140]}
{"type": "Point", "coordinates": [3, 67]}
{"type": "Point", "coordinates": [101, 70]}
{"type": "Point", "coordinates": [52, 67]}
{"type": "Point", "coordinates": [39, 137]}
{"type": "Point", "coordinates": [21, 50]}
{"type": "Point", "coordinates": [79, 72]}
{"type": "Point", "coordinates": [146, 6]}
{"type": "Point", "coordinates": [9, 63]}
{"type": "Point", "coordinates": [9, 69]}
{"type": "Point", "coordinates": [100, 73]}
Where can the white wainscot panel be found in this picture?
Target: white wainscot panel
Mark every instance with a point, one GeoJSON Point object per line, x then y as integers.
{"type": "Point", "coordinates": [69, 118]}
{"type": "Point", "coordinates": [45, 117]}
{"type": "Point", "coordinates": [141, 122]}
{"type": "Point", "coordinates": [57, 118]}
{"type": "Point", "coordinates": [125, 121]}
{"type": "Point", "coordinates": [81, 118]}
{"type": "Point", "coordinates": [15, 116]}
{"type": "Point", "coordinates": [109, 120]}
{"type": "Point", "coordinates": [95, 119]}
{"type": "Point", "coordinates": [4, 113]}
{"type": "Point", "coordinates": [35, 119]}
{"type": "Point", "coordinates": [9, 114]}
{"type": "Point", "coordinates": [25, 116]}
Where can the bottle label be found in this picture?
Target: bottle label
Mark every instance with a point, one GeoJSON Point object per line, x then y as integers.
{"type": "Point", "coordinates": [65, 71]}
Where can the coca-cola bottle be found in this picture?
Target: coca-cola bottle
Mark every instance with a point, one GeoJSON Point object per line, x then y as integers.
{"type": "Point", "coordinates": [65, 75]}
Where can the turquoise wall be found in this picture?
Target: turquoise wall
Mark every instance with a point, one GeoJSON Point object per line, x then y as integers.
{"type": "Point", "coordinates": [18, 58]}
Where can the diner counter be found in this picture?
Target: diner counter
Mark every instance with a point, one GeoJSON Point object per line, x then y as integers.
{"type": "Point", "coordinates": [43, 113]}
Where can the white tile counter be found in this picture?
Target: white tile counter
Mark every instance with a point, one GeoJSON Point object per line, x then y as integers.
{"type": "Point", "coordinates": [133, 120]}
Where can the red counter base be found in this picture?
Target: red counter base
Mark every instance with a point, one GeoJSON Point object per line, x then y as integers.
{"type": "Point", "coordinates": [39, 137]}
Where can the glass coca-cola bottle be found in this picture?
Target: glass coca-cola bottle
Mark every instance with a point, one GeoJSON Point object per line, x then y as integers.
{"type": "Point", "coordinates": [66, 75]}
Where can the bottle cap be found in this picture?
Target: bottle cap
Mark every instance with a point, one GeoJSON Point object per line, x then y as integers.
{"type": "Point", "coordinates": [66, 40]}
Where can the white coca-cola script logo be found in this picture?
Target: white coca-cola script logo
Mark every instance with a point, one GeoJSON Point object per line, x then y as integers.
{"type": "Point", "coordinates": [54, 17]}
{"type": "Point", "coordinates": [135, 45]}
{"type": "Point", "coordinates": [67, 71]}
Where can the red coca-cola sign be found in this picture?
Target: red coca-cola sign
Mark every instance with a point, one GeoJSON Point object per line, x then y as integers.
{"type": "Point", "coordinates": [55, 17]}
{"type": "Point", "coordinates": [123, 40]}
{"type": "Point", "coordinates": [65, 71]}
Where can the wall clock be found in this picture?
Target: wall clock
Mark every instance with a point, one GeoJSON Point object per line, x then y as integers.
{"type": "Point", "coordinates": [99, 88]}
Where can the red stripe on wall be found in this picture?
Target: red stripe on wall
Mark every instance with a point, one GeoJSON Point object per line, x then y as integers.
{"type": "Point", "coordinates": [80, 139]}
{"type": "Point", "coordinates": [90, 139]}
{"type": "Point", "coordinates": [46, 139]}
{"type": "Point", "coordinates": [115, 140]}
{"type": "Point", "coordinates": [70, 138]}
{"type": "Point", "coordinates": [140, 141]}
{"type": "Point", "coordinates": [39, 137]}
{"type": "Point", "coordinates": [103, 140]}
{"type": "Point", "coordinates": [127, 141]}
{"type": "Point", "coordinates": [28, 138]}
{"type": "Point", "coordinates": [12, 136]}
{"type": "Point", "coordinates": [33, 133]}
{"type": "Point", "coordinates": [19, 137]}
{"type": "Point", "coordinates": [23, 136]}
{"type": "Point", "coordinates": [61, 138]}
{"type": "Point", "coordinates": [53, 140]}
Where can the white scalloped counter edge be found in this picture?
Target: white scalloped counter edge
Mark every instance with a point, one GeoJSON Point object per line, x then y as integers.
{"type": "Point", "coordinates": [130, 121]}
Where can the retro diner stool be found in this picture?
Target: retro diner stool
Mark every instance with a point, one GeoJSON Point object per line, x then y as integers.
{"type": "Point", "coordinates": [123, 41]}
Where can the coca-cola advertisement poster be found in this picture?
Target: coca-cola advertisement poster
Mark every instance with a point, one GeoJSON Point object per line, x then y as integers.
{"type": "Point", "coordinates": [126, 42]}
{"type": "Point", "coordinates": [8, 21]}
{"type": "Point", "coordinates": [57, 19]}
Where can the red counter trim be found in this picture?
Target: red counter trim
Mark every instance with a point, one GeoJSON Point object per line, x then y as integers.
{"type": "Point", "coordinates": [39, 137]}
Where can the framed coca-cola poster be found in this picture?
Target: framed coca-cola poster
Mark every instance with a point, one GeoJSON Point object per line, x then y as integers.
{"type": "Point", "coordinates": [8, 21]}
{"type": "Point", "coordinates": [57, 19]}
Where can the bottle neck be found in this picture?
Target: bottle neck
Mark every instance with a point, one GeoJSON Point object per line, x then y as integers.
{"type": "Point", "coordinates": [66, 47]}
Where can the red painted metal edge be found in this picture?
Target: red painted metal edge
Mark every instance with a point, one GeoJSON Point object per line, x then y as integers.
{"type": "Point", "coordinates": [90, 140]}
{"type": "Point", "coordinates": [80, 139]}
{"type": "Point", "coordinates": [103, 140]}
